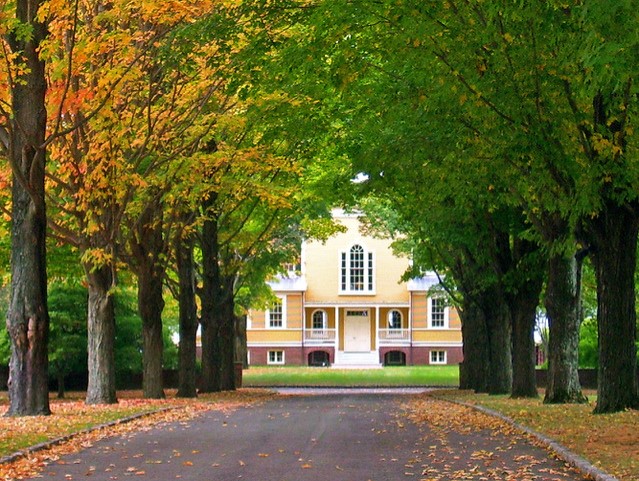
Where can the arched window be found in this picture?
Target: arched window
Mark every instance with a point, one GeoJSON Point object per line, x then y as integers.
{"type": "Point", "coordinates": [319, 320]}
{"type": "Point", "coordinates": [356, 270]}
{"type": "Point", "coordinates": [394, 319]}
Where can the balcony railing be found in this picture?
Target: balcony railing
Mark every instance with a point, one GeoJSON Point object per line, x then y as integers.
{"type": "Point", "coordinates": [320, 335]}
{"type": "Point", "coordinates": [394, 336]}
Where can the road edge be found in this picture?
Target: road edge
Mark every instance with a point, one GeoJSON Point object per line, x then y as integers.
{"type": "Point", "coordinates": [563, 453]}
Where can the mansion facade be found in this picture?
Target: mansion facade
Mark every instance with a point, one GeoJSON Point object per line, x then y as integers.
{"type": "Point", "coordinates": [347, 306]}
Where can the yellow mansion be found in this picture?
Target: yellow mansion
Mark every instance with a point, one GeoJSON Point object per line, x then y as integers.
{"type": "Point", "coordinates": [347, 306]}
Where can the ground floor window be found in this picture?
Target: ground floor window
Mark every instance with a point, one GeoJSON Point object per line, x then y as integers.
{"type": "Point", "coordinates": [318, 358]}
{"type": "Point", "coordinates": [275, 357]}
{"type": "Point", "coordinates": [395, 358]}
{"type": "Point", "coordinates": [438, 357]}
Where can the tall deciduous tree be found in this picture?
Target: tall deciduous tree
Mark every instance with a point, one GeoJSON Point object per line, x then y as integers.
{"type": "Point", "coordinates": [23, 134]}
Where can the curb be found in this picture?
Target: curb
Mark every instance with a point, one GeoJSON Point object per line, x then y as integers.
{"type": "Point", "coordinates": [560, 451]}
{"type": "Point", "coordinates": [53, 442]}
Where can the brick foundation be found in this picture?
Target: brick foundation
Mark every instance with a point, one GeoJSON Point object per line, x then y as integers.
{"type": "Point", "coordinates": [298, 356]}
{"type": "Point", "coordinates": [293, 356]}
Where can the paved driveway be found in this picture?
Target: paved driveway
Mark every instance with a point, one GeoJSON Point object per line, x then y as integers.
{"type": "Point", "coordinates": [349, 436]}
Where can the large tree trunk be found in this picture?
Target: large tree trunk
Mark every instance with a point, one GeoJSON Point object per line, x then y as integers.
{"type": "Point", "coordinates": [27, 316]}
{"type": "Point", "coordinates": [498, 322]}
{"type": "Point", "coordinates": [209, 298]}
{"type": "Point", "coordinates": [101, 336]}
{"type": "Point", "coordinates": [150, 305]}
{"type": "Point", "coordinates": [475, 345]}
{"type": "Point", "coordinates": [225, 344]}
{"type": "Point", "coordinates": [524, 313]}
{"type": "Point", "coordinates": [187, 374]}
{"type": "Point", "coordinates": [147, 247]}
{"type": "Point", "coordinates": [615, 256]}
{"type": "Point", "coordinates": [563, 307]}
{"type": "Point", "coordinates": [524, 302]}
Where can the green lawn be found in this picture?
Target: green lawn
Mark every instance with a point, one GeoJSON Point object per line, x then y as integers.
{"type": "Point", "coordinates": [320, 376]}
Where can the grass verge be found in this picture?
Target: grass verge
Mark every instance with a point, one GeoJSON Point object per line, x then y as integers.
{"type": "Point", "coordinates": [257, 376]}
{"type": "Point", "coordinates": [72, 415]}
{"type": "Point", "coordinates": [608, 441]}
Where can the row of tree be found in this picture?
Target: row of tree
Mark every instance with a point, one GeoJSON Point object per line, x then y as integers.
{"type": "Point", "coordinates": [499, 138]}
{"type": "Point", "coordinates": [134, 134]}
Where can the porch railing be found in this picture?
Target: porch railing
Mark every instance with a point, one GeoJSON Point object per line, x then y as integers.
{"type": "Point", "coordinates": [390, 336]}
{"type": "Point", "coordinates": [319, 335]}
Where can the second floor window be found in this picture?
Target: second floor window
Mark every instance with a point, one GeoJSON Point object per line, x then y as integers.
{"type": "Point", "coordinates": [438, 312]}
{"type": "Point", "coordinates": [276, 314]}
{"type": "Point", "coordinates": [357, 270]}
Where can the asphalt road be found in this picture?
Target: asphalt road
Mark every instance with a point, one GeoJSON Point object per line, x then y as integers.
{"type": "Point", "coordinates": [351, 436]}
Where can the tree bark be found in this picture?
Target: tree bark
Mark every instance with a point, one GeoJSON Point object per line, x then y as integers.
{"type": "Point", "coordinates": [101, 335]}
{"type": "Point", "coordinates": [241, 351]}
{"type": "Point", "coordinates": [524, 302]}
{"type": "Point", "coordinates": [187, 374]}
{"type": "Point", "coordinates": [150, 306]}
{"type": "Point", "coordinates": [475, 347]}
{"type": "Point", "coordinates": [563, 307]}
{"type": "Point", "coordinates": [614, 257]}
{"type": "Point", "coordinates": [61, 389]}
{"type": "Point", "coordinates": [147, 246]}
{"type": "Point", "coordinates": [27, 316]}
{"type": "Point", "coordinates": [209, 293]}
{"type": "Point", "coordinates": [225, 344]}
{"type": "Point", "coordinates": [524, 365]}
{"type": "Point", "coordinates": [499, 332]}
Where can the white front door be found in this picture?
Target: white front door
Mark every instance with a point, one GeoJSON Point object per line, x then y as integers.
{"type": "Point", "coordinates": [357, 331]}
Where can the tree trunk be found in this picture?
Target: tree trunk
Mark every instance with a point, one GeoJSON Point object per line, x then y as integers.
{"type": "Point", "coordinates": [60, 384]}
{"type": "Point", "coordinates": [27, 316]}
{"type": "Point", "coordinates": [563, 307]}
{"type": "Point", "coordinates": [150, 305]}
{"type": "Point", "coordinates": [475, 346]}
{"type": "Point", "coordinates": [225, 344]}
{"type": "Point", "coordinates": [147, 247]}
{"type": "Point", "coordinates": [101, 335]}
{"type": "Point", "coordinates": [209, 298]}
{"type": "Point", "coordinates": [524, 312]}
{"type": "Point", "coordinates": [241, 351]}
{"type": "Point", "coordinates": [187, 374]}
{"type": "Point", "coordinates": [615, 255]}
{"type": "Point", "coordinates": [530, 268]}
{"type": "Point", "coordinates": [498, 322]}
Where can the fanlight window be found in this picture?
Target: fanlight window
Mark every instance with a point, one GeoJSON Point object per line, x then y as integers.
{"type": "Point", "coordinates": [357, 270]}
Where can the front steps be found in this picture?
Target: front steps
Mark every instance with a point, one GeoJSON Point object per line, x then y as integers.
{"type": "Point", "coordinates": [356, 360]}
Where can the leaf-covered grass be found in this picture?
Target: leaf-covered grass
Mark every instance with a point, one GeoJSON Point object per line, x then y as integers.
{"type": "Point", "coordinates": [609, 441]}
{"type": "Point", "coordinates": [320, 376]}
{"type": "Point", "coordinates": [72, 415]}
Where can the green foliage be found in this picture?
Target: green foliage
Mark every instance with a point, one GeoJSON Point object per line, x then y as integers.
{"type": "Point", "coordinates": [128, 332]}
{"type": "Point", "coordinates": [588, 344]}
{"type": "Point", "coordinates": [68, 328]}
